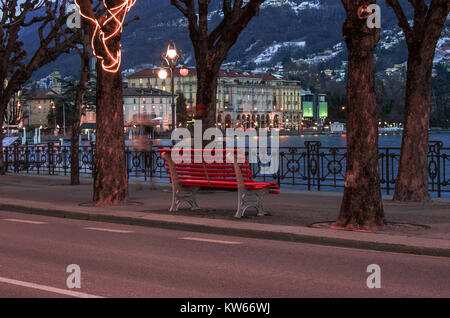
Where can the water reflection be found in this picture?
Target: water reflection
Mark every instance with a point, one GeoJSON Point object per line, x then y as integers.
{"type": "Point", "coordinates": [384, 139]}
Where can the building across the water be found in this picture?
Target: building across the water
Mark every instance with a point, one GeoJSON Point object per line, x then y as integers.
{"type": "Point", "coordinates": [141, 106]}
{"type": "Point", "coordinates": [315, 109]}
{"type": "Point", "coordinates": [244, 99]}
{"type": "Point", "coordinates": [147, 104]}
{"type": "Point", "coordinates": [37, 104]}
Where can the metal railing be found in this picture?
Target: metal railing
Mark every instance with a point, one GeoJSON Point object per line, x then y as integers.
{"type": "Point", "coordinates": [311, 167]}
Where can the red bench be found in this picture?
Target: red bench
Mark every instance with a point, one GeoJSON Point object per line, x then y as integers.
{"type": "Point", "coordinates": [214, 170]}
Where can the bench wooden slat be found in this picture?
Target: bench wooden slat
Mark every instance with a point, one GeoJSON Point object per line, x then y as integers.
{"type": "Point", "coordinates": [216, 175]}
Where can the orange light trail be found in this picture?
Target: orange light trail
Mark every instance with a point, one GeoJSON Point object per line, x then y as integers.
{"type": "Point", "coordinates": [116, 15]}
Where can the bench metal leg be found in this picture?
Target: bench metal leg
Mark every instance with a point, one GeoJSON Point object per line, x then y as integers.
{"type": "Point", "coordinates": [247, 199]}
{"type": "Point", "coordinates": [260, 197]}
{"type": "Point", "coordinates": [187, 195]}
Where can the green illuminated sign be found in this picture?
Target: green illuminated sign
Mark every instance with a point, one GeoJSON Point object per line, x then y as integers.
{"type": "Point", "coordinates": [308, 110]}
{"type": "Point", "coordinates": [323, 109]}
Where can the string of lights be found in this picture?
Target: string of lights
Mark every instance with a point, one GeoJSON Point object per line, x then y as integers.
{"type": "Point", "coordinates": [115, 15]}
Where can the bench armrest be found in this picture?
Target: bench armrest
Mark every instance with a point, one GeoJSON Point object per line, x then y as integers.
{"type": "Point", "coordinates": [176, 186]}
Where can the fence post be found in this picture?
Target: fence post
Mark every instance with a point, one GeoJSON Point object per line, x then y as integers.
{"type": "Point", "coordinates": [433, 160]}
{"type": "Point", "coordinates": [16, 158]}
{"type": "Point", "coordinates": [313, 156]}
{"type": "Point", "coordinates": [5, 162]}
{"type": "Point", "coordinates": [151, 163]}
{"type": "Point", "coordinates": [27, 154]}
{"type": "Point", "coordinates": [280, 165]}
{"type": "Point", "coordinates": [308, 165]}
{"type": "Point", "coordinates": [318, 165]}
{"type": "Point", "coordinates": [387, 172]}
{"type": "Point", "coordinates": [439, 146]}
{"type": "Point", "coordinates": [93, 158]}
{"type": "Point", "coordinates": [64, 152]}
{"type": "Point", "coordinates": [50, 157]}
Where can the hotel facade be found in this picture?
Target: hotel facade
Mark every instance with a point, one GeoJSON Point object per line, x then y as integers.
{"type": "Point", "coordinates": [244, 99]}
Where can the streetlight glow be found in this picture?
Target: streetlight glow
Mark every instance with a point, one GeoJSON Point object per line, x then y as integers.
{"type": "Point", "coordinates": [162, 74]}
{"type": "Point", "coordinates": [171, 53]}
{"type": "Point", "coordinates": [171, 57]}
{"type": "Point", "coordinates": [184, 71]}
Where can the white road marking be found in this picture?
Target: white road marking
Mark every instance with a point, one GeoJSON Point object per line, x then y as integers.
{"type": "Point", "coordinates": [25, 221]}
{"type": "Point", "coordinates": [209, 240]}
{"type": "Point", "coordinates": [47, 288]}
{"type": "Point", "coordinates": [107, 230]}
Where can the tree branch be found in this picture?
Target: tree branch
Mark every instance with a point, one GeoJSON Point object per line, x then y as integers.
{"type": "Point", "coordinates": [402, 20]}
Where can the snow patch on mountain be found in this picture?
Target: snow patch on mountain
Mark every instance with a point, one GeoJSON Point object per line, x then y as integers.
{"type": "Point", "coordinates": [271, 51]}
{"type": "Point", "coordinates": [295, 6]}
{"type": "Point", "coordinates": [251, 46]}
{"type": "Point", "coordinates": [442, 49]}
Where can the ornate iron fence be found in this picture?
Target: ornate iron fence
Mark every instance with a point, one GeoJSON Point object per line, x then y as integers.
{"type": "Point", "coordinates": [311, 167]}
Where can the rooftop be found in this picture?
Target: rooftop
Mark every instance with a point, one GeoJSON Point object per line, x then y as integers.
{"type": "Point", "coordinates": [132, 91]}
{"type": "Point", "coordinates": [222, 73]}
{"type": "Point", "coordinates": [40, 94]}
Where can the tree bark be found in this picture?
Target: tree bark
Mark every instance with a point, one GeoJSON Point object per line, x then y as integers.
{"type": "Point", "coordinates": [206, 96]}
{"type": "Point", "coordinates": [361, 207]}
{"type": "Point", "coordinates": [211, 48]}
{"type": "Point", "coordinates": [2, 164]}
{"type": "Point", "coordinates": [110, 172]}
{"type": "Point", "coordinates": [16, 64]}
{"type": "Point", "coordinates": [110, 175]}
{"type": "Point", "coordinates": [79, 97]}
{"type": "Point", "coordinates": [412, 179]}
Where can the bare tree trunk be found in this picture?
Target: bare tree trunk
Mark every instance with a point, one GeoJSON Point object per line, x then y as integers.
{"type": "Point", "coordinates": [412, 179]}
{"type": "Point", "coordinates": [361, 207]}
{"type": "Point", "coordinates": [110, 176]}
{"type": "Point", "coordinates": [211, 47]}
{"type": "Point", "coordinates": [79, 97]}
{"type": "Point", "coordinates": [421, 38]}
{"type": "Point", "coordinates": [110, 172]}
{"type": "Point", "coordinates": [2, 165]}
{"type": "Point", "coordinates": [206, 96]}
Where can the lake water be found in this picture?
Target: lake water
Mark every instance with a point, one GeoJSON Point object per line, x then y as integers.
{"type": "Point", "coordinates": [384, 139]}
{"type": "Point", "coordinates": [393, 139]}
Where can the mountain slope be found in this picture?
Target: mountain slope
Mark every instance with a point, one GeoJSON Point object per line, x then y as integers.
{"type": "Point", "coordinates": [285, 30]}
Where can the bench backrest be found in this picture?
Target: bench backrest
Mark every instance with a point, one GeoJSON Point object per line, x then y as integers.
{"type": "Point", "coordinates": [237, 171]}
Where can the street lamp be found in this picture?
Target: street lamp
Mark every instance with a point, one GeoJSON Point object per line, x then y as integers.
{"type": "Point", "coordinates": [64, 120]}
{"type": "Point", "coordinates": [54, 114]}
{"type": "Point", "coordinates": [171, 57]}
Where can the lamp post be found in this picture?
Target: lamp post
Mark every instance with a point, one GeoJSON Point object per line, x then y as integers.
{"type": "Point", "coordinates": [29, 114]}
{"type": "Point", "coordinates": [64, 120]}
{"type": "Point", "coordinates": [54, 114]}
{"type": "Point", "coordinates": [171, 57]}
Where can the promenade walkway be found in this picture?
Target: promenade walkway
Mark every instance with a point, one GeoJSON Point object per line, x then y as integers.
{"type": "Point", "coordinates": [296, 215]}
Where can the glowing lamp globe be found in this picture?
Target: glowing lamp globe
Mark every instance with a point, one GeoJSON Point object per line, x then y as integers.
{"type": "Point", "coordinates": [162, 74]}
{"type": "Point", "coordinates": [184, 71]}
{"type": "Point", "coordinates": [171, 53]}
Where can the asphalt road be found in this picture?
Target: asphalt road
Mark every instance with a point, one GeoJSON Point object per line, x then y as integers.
{"type": "Point", "coordinates": [129, 261]}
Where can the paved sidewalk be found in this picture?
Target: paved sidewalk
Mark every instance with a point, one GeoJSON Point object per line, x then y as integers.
{"type": "Point", "coordinates": [296, 215]}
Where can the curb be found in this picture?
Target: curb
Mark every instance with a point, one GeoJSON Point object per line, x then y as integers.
{"type": "Point", "coordinates": [248, 233]}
